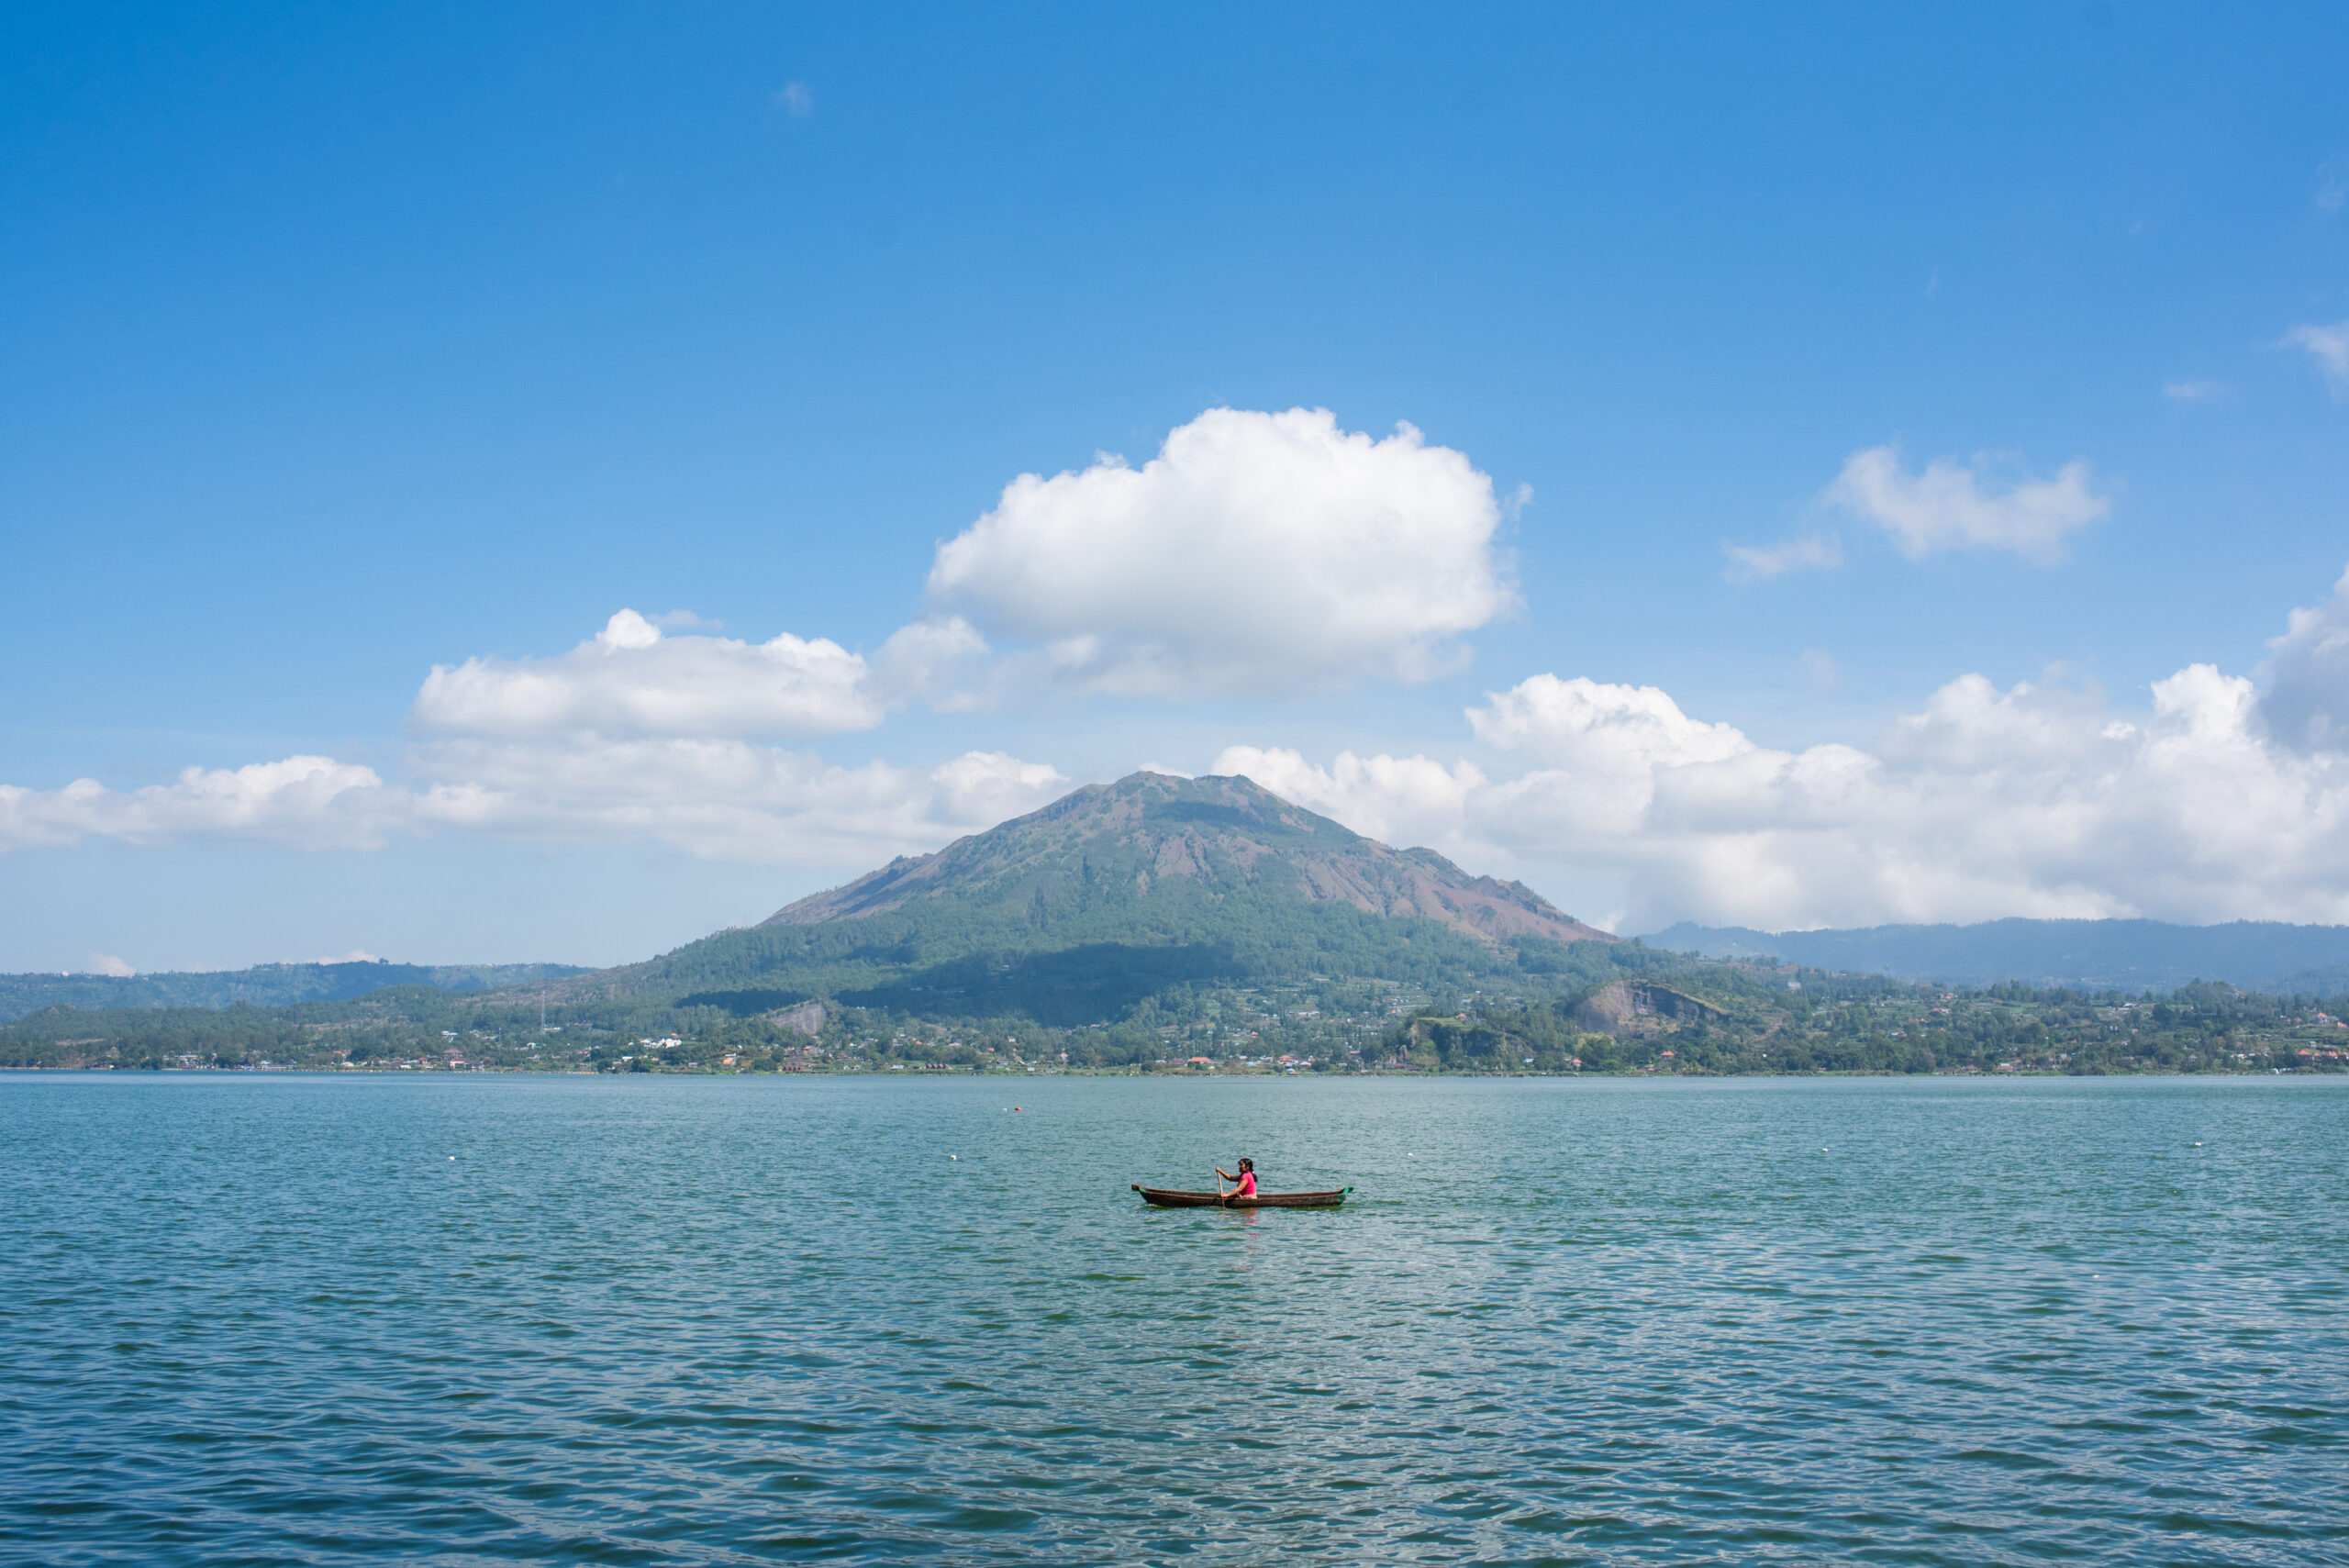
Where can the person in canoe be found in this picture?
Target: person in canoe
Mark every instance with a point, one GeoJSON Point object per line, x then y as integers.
{"type": "Point", "coordinates": [1246, 1178]}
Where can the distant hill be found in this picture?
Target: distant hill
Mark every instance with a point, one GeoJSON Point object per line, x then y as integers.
{"type": "Point", "coordinates": [1073, 913]}
{"type": "Point", "coordinates": [2099, 955]}
{"type": "Point", "coordinates": [264, 985]}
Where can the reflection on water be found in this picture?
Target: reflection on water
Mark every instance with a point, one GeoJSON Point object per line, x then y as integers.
{"type": "Point", "coordinates": [689, 1320]}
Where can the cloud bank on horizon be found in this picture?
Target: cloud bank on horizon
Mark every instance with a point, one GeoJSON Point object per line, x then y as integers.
{"type": "Point", "coordinates": [717, 800]}
{"type": "Point", "coordinates": [1279, 553]}
{"type": "Point", "coordinates": [2031, 801]}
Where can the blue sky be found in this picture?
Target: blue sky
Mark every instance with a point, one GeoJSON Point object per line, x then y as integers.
{"type": "Point", "coordinates": [337, 345]}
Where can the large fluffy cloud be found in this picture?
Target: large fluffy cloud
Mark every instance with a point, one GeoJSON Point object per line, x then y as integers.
{"type": "Point", "coordinates": [1256, 551]}
{"type": "Point", "coordinates": [1954, 506]}
{"type": "Point", "coordinates": [2211, 803]}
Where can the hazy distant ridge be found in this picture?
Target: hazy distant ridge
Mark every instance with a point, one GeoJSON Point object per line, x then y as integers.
{"type": "Point", "coordinates": [264, 985]}
{"type": "Point", "coordinates": [2125, 955]}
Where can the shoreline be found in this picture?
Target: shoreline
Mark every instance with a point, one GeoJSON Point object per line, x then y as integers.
{"type": "Point", "coordinates": [1635, 1075]}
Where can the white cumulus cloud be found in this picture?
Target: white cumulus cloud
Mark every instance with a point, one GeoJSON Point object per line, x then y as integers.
{"type": "Point", "coordinates": [1954, 506]}
{"type": "Point", "coordinates": [2211, 803]}
{"type": "Point", "coordinates": [634, 735]}
{"type": "Point", "coordinates": [1408, 800]}
{"type": "Point", "coordinates": [631, 680]}
{"type": "Point", "coordinates": [1257, 551]}
{"type": "Point", "coordinates": [715, 798]}
{"type": "Point", "coordinates": [309, 801]}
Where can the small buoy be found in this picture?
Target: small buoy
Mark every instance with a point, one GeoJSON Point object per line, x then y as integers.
{"type": "Point", "coordinates": [953, 1156]}
{"type": "Point", "coordinates": [1018, 1108]}
{"type": "Point", "coordinates": [452, 1158]}
{"type": "Point", "coordinates": [2198, 1146]}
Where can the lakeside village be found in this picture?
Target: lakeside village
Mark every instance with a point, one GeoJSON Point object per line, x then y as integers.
{"type": "Point", "coordinates": [1749, 1019]}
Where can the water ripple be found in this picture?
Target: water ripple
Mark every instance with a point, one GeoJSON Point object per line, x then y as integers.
{"type": "Point", "coordinates": [668, 1321]}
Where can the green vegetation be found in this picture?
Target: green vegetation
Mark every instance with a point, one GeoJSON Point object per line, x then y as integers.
{"type": "Point", "coordinates": [1531, 1009]}
{"type": "Point", "coordinates": [1088, 964]}
{"type": "Point", "coordinates": [1170, 925]}
{"type": "Point", "coordinates": [1837, 1023]}
{"type": "Point", "coordinates": [265, 986]}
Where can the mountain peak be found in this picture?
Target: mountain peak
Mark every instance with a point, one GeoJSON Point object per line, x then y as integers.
{"type": "Point", "coordinates": [1159, 836]}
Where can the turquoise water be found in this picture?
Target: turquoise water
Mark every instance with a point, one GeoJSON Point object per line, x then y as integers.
{"type": "Point", "coordinates": [656, 1320]}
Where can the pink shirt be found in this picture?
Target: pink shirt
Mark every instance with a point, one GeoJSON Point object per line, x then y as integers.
{"type": "Point", "coordinates": [1247, 1184]}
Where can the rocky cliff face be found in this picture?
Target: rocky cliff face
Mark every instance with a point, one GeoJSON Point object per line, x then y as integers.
{"type": "Point", "coordinates": [807, 1017]}
{"type": "Point", "coordinates": [1153, 835]}
{"type": "Point", "coordinates": [1618, 1007]}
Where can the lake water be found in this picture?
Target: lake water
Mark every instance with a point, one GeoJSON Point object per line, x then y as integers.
{"type": "Point", "coordinates": [705, 1320]}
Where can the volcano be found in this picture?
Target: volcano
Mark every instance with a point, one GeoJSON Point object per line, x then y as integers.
{"type": "Point", "coordinates": [1115, 893]}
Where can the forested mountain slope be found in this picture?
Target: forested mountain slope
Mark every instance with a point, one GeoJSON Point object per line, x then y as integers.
{"type": "Point", "coordinates": [1118, 892]}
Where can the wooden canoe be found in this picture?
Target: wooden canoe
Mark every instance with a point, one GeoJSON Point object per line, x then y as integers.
{"type": "Point", "coordinates": [1165, 1198]}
